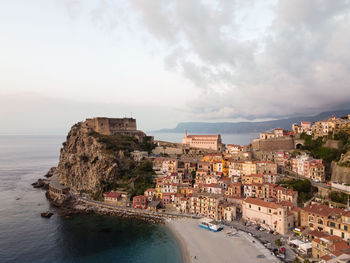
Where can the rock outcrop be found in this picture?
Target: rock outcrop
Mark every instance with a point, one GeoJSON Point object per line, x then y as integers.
{"type": "Point", "coordinates": [51, 172]}
{"type": "Point", "coordinates": [89, 161]}
{"type": "Point", "coordinates": [341, 169]}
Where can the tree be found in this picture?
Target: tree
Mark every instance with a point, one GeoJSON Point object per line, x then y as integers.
{"type": "Point", "coordinates": [278, 242]}
{"type": "Point", "coordinates": [296, 260]}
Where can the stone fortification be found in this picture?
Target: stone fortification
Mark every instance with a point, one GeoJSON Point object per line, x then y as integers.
{"type": "Point", "coordinates": [275, 144]}
{"type": "Point", "coordinates": [113, 126]}
{"type": "Point", "coordinates": [341, 169]}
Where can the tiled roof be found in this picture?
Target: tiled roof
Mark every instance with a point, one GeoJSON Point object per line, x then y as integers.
{"type": "Point", "coordinates": [263, 203]}
{"type": "Point", "coordinates": [323, 210]}
{"type": "Point", "coordinates": [112, 195]}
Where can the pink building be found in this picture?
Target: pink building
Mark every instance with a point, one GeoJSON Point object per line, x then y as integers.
{"type": "Point", "coordinates": [268, 214]}
{"type": "Point", "coordinates": [212, 142]}
{"type": "Point", "coordinates": [139, 202]}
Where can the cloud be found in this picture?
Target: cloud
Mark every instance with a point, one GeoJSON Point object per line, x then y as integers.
{"type": "Point", "coordinates": [248, 59]}
{"type": "Point", "coordinates": [299, 64]}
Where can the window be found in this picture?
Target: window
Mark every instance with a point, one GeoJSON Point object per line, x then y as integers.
{"type": "Point", "coordinates": [259, 208]}
{"type": "Point", "coordinates": [345, 228]}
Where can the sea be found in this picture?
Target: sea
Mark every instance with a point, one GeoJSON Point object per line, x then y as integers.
{"type": "Point", "coordinates": [27, 237]}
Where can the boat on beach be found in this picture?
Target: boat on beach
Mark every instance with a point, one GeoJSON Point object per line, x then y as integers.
{"type": "Point", "coordinates": [210, 224]}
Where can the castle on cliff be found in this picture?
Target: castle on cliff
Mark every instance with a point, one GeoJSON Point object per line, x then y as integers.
{"type": "Point", "coordinates": [114, 126]}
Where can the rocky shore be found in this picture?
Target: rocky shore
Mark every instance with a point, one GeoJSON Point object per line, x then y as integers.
{"type": "Point", "coordinates": [70, 206]}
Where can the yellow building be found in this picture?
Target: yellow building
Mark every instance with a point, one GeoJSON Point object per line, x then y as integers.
{"type": "Point", "coordinates": [226, 167]}
{"type": "Point", "coordinates": [248, 168]}
{"type": "Point", "coordinates": [212, 157]}
{"type": "Point", "coordinates": [217, 166]}
{"type": "Point", "coordinates": [253, 179]}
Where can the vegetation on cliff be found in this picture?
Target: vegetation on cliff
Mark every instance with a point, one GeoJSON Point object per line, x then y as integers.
{"type": "Point", "coordinates": [92, 163]}
{"type": "Point", "coordinates": [338, 197]}
{"type": "Point", "coordinates": [127, 144]}
{"type": "Point", "coordinates": [317, 149]}
{"type": "Point", "coordinates": [303, 187]}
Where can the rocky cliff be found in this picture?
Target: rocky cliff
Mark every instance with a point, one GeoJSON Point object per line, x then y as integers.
{"type": "Point", "coordinates": [90, 162]}
{"type": "Point", "coordinates": [341, 169]}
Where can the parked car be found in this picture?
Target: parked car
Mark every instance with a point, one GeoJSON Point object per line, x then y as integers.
{"type": "Point", "coordinates": [262, 229]}
{"type": "Point", "coordinates": [281, 255]}
{"type": "Point", "coordinates": [268, 245]}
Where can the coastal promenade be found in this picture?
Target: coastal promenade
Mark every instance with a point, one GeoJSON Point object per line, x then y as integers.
{"type": "Point", "coordinates": [136, 212]}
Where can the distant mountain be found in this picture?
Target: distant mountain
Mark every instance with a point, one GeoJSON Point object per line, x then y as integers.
{"type": "Point", "coordinates": [246, 127]}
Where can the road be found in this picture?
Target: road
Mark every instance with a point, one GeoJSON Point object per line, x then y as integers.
{"type": "Point", "coordinates": [133, 210]}
{"type": "Point", "coordinates": [266, 237]}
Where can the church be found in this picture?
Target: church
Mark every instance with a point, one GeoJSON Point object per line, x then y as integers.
{"type": "Point", "coordinates": [211, 142]}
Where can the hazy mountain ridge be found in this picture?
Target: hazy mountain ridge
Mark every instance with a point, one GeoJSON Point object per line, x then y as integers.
{"type": "Point", "coordinates": [246, 127]}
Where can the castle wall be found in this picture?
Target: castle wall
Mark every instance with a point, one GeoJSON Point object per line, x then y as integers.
{"type": "Point", "coordinates": [108, 126]}
{"type": "Point", "coordinates": [278, 144]}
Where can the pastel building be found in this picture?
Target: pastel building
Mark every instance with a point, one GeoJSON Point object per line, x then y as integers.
{"type": "Point", "coordinates": [210, 142]}
{"type": "Point", "coordinates": [268, 214]}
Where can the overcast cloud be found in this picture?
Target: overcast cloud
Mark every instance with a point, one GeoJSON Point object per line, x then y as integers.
{"type": "Point", "coordinates": [197, 60]}
{"type": "Point", "coordinates": [299, 64]}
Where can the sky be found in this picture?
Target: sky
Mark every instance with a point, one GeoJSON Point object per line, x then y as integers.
{"type": "Point", "coordinates": [164, 62]}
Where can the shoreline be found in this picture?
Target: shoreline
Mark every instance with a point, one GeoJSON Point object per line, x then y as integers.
{"type": "Point", "coordinates": [186, 258]}
{"type": "Point", "coordinates": [200, 245]}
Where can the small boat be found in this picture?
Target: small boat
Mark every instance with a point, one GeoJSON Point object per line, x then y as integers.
{"type": "Point", "coordinates": [46, 214]}
{"type": "Point", "coordinates": [204, 223]}
{"type": "Point", "coordinates": [210, 224]}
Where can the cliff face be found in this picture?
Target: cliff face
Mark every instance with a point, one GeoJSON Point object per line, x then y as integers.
{"type": "Point", "coordinates": [341, 169]}
{"type": "Point", "coordinates": [86, 163]}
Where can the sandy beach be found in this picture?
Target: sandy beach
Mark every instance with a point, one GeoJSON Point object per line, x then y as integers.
{"type": "Point", "coordinates": [200, 245]}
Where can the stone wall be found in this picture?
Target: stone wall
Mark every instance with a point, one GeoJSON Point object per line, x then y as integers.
{"type": "Point", "coordinates": [334, 144]}
{"type": "Point", "coordinates": [108, 126]}
{"type": "Point", "coordinates": [276, 144]}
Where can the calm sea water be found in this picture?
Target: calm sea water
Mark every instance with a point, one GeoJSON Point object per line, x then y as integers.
{"type": "Point", "coordinates": [26, 237]}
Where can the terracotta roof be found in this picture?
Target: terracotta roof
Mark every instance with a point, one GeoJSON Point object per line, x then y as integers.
{"type": "Point", "coordinates": [254, 175]}
{"type": "Point", "coordinates": [201, 136]}
{"type": "Point", "coordinates": [317, 233]}
{"type": "Point", "coordinates": [286, 203]}
{"type": "Point", "coordinates": [295, 209]}
{"type": "Point", "coordinates": [327, 257]}
{"type": "Point", "coordinates": [339, 246]}
{"type": "Point", "coordinates": [263, 203]}
{"type": "Point", "coordinates": [323, 210]}
{"type": "Point", "coordinates": [112, 195]}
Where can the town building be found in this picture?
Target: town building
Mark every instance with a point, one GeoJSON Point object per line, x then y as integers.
{"type": "Point", "coordinates": [234, 190]}
{"type": "Point", "coordinates": [205, 204]}
{"type": "Point", "coordinates": [150, 193]}
{"type": "Point", "coordinates": [112, 197]}
{"type": "Point", "coordinates": [320, 129]}
{"type": "Point", "coordinates": [311, 168]}
{"type": "Point", "coordinates": [139, 202]}
{"type": "Point", "coordinates": [268, 214]}
{"type": "Point", "coordinates": [328, 247]}
{"type": "Point", "coordinates": [138, 156]}
{"type": "Point", "coordinates": [211, 142]}
{"type": "Point", "coordinates": [334, 221]}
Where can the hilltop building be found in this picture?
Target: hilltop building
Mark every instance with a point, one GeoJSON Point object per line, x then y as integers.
{"type": "Point", "coordinates": [211, 142]}
{"type": "Point", "coordinates": [113, 126]}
